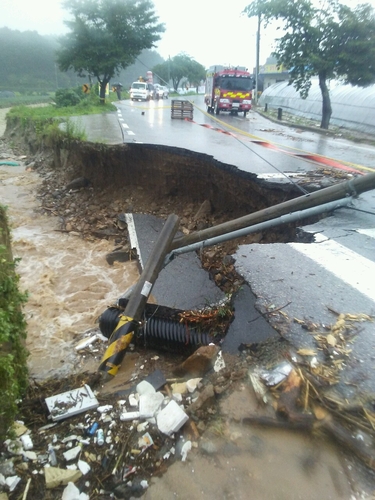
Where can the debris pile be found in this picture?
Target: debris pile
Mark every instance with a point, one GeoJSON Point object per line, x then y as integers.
{"type": "Point", "coordinates": [304, 391]}
{"type": "Point", "coordinates": [81, 444]}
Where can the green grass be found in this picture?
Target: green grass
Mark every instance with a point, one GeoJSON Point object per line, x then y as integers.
{"type": "Point", "coordinates": [47, 119]}
{"type": "Point", "coordinates": [50, 111]}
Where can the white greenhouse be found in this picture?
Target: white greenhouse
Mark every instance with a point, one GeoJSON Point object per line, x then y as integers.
{"type": "Point", "coordinates": [352, 107]}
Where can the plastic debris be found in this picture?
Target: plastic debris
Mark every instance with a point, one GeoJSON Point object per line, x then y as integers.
{"type": "Point", "coordinates": [86, 342]}
{"type": "Point", "coordinates": [131, 415]}
{"type": "Point", "coordinates": [72, 453]}
{"type": "Point", "coordinates": [27, 442]}
{"type": "Point", "coordinates": [12, 482]}
{"type": "Point", "coordinates": [185, 450]}
{"type": "Point", "coordinates": [71, 492]}
{"type": "Point", "coordinates": [56, 477]}
{"type": "Point", "coordinates": [145, 441]}
{"type": "Point", "coordinates": [100, 437]}
{"type": "Point", "coordinates": [219, 362]}
{"type": "Point", "coordinates": [83, 466]}
{"type": "Point", "coordinates": [104, 409]}
{"type": "Point", "coordinates": [52, 456]}
{"type": "Point", "coordinates": [171, 418]}
{"type": "Point", "coordinates": [277, 375]}
{"type": "Point", "coordinates": [71, 403]}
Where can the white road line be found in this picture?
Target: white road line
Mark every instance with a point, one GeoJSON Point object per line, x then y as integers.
{"type": "Point", "coordinates": [125, 125]}
{"type": "Point", "coordinates": [349, 266]}
{"type": "Point", "coordinates": [133, 238]}
{"type": "Point", "coordinates": [367, 232]}
{"type": "Point", "coordinates": [130, 132]}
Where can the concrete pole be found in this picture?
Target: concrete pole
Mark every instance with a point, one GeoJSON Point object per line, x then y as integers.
{"type": "Point", "coordinates": [348, 188]}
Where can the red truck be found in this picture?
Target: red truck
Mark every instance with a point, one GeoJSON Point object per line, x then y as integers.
{"type": "Point", "coordinates": [228, 89]}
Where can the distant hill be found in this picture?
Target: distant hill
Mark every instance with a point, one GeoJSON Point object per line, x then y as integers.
{"type": "Point", "coordinates": [28, 64]}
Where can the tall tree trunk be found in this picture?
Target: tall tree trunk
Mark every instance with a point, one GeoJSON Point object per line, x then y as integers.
{"type": "Point", "coordinates": [326, 106]}
{"type": "Point", "coordinates": [103, 85]}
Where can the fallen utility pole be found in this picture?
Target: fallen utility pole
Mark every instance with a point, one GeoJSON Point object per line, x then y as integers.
{"type": "Point", "coordinates": [262, 226]}
{"type": "Point", "coordinates": [348, 188]}
{"type": "Point", "coordinates": [128, 321]}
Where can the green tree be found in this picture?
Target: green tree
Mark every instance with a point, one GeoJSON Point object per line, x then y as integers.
{"type": "Point", "coordinates": [107, 36]}
{"type": "Point", "coordinates": [331, 41]}
{"type": "Point", "coordinates": [180, 68]}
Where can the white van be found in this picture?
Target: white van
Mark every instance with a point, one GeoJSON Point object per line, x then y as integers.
{"type": "Point", "coordinates": [142, 91]}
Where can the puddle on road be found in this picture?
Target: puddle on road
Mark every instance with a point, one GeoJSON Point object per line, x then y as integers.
{"type": "Point", "coordinates": [70, 284]}
{"type": "Point", "coordinates": [239, 462]}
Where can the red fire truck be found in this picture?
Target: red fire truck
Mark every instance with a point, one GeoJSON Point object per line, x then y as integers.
{"type": "Point", "coordinates": [228, 89]}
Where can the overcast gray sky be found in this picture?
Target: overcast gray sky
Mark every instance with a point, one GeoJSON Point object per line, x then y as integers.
{"type": "Point", "coordinates": [210, 31]}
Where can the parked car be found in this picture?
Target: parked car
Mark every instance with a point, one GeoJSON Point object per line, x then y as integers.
{"type": "Point", "coordinates": [142, 91]}
{"type": "Point", "coordinates": [161, 91]}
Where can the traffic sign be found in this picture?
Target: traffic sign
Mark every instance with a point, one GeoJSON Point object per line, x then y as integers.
{"type": "Point", "coordinates": [86, 88]}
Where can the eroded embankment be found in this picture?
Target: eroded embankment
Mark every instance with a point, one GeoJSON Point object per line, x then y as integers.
{"type": "Point", "coordinates": [147, 179]}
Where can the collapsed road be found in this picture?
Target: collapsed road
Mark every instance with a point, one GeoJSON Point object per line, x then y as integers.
{"type": "Point", "coordinates": [93, 211]}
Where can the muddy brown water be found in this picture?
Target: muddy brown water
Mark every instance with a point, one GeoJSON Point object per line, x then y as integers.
{"type": "Point", "coordinates": [70, 283]}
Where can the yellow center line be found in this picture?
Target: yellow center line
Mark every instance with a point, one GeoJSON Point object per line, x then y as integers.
{"type": "Point", "coordinates": [300, 151]}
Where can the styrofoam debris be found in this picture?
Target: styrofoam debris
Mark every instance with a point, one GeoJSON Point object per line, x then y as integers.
{"type": "Point", "coordinates": [27, 442]}
{"type": "Point", "coordinates": [145, 387]}
{"type": "Point", "coordinates": [133, 399]}
{"type": "Point", "coordinates": [177, 397]}
{"type": "Point", "coordinates": [142, 426]}
{"type": "Point", "coordinates": [71, 492]}
{"type": "Point", "coordinates": [83, 466]}
{"type": "Point", "coordinates": [30, 455]}
{"type": "Point", "coordinates": [219, 362]}
{"type": "Point", "coordinates": [12, 481]}
{"type": "Point", "coordinates": [67, 439]}
{"type": "Point", "coordinates": [171, 418]}
{"type": "Point", "coordinates": [185, 450]}
{"type": "Point", "coordinates": [149, 404]}
{"type": "Point", "coordinates": [192, 384]}
{"type": "Point", "coordinates": [72, 453]}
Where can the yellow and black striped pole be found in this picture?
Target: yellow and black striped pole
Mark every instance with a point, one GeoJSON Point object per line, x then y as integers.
{"type": "Point", "coordinates": [129, 320]}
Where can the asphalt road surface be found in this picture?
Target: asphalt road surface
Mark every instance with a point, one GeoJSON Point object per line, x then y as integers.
{"type": "Point", "coordinates": [307, 281]}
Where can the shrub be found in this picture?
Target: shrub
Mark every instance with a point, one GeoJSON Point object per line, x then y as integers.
{"type": "Point", "coordinates": [66, 97]}
{"type": "Point", "coordinates": [13, 353]}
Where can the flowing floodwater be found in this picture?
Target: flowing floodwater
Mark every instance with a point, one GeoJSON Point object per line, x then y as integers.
{"type": "Point", "coordinates": [68, 279]}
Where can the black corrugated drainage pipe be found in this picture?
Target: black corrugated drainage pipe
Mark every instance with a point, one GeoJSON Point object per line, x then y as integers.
{"type": "Point", "coordinates": [157, 332]}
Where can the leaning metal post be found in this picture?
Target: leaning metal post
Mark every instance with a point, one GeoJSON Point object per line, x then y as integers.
{"type": "Point", "coordinates": [123, 334]}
